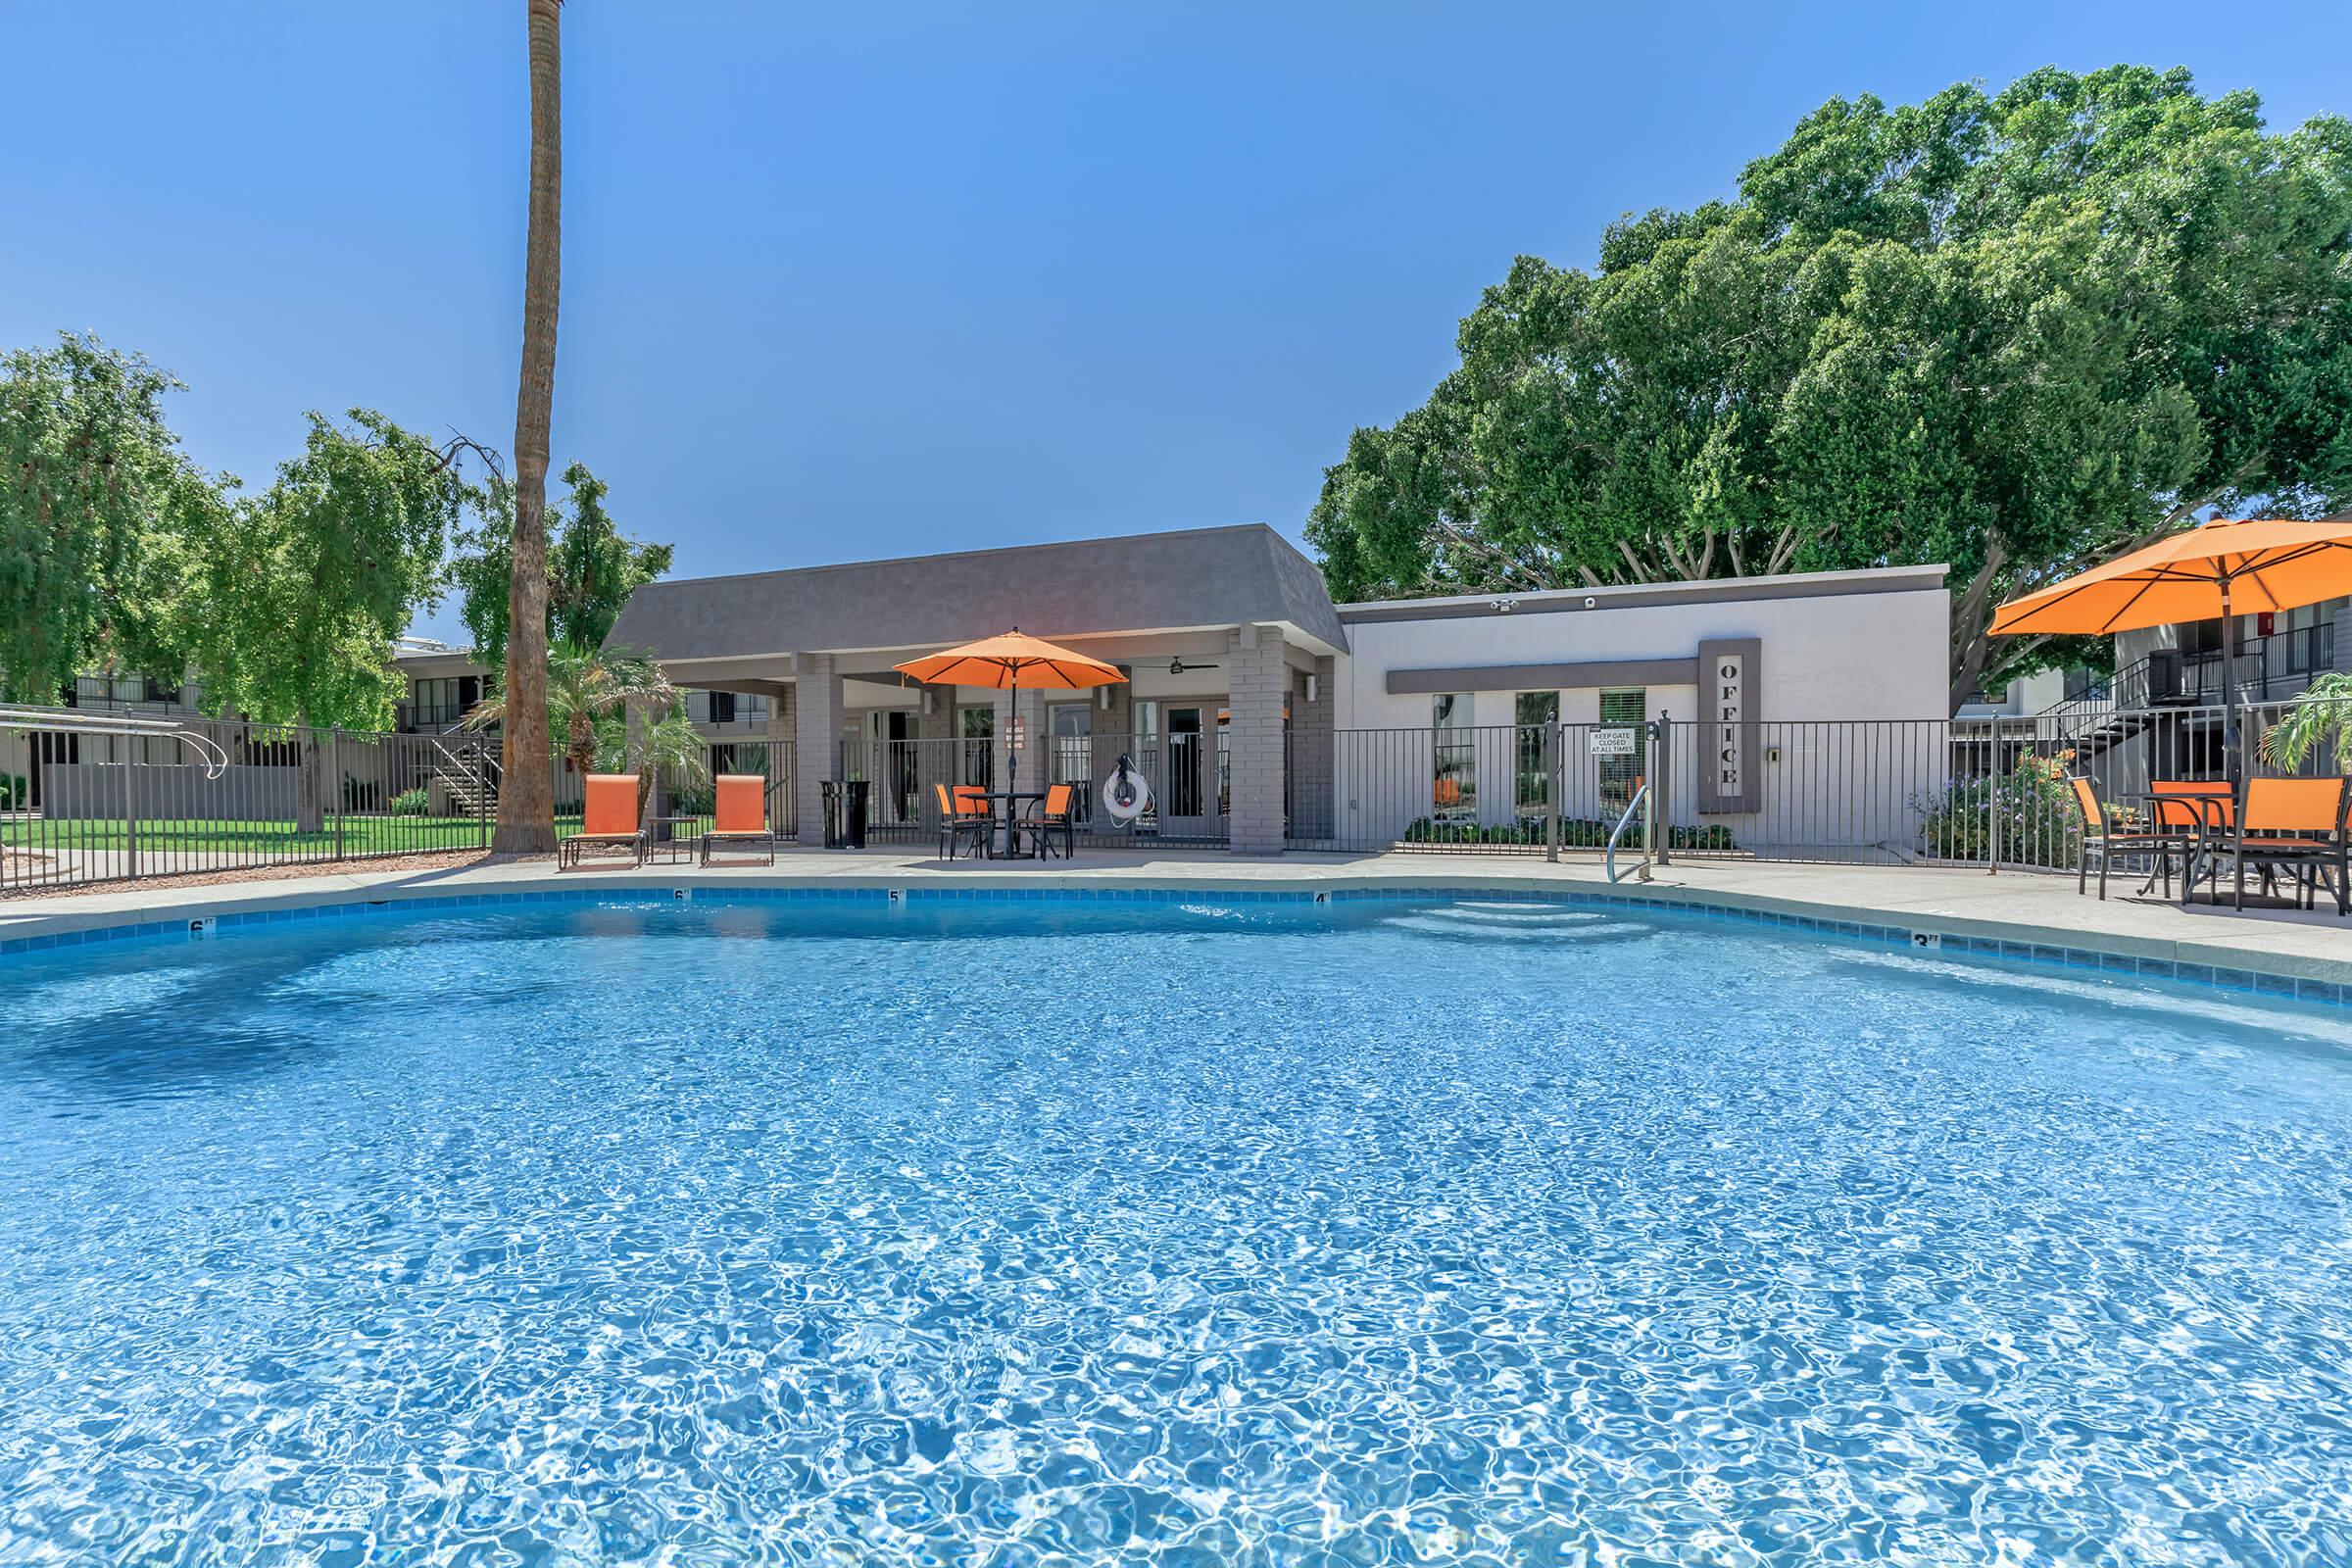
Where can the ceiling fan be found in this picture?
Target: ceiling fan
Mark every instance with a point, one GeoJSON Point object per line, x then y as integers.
{"type": "Point", "coordinates": [1177, 666]}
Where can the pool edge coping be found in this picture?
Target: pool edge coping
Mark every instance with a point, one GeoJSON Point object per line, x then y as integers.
{"type": "Point", "coordinates": [2213, 965]}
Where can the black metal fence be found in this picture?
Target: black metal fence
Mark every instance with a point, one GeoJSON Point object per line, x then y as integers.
{"type": "Point", "coordinates": [81, 805]}
{"type": "Point", "coordinates": [1992, 792]}
{"type": "Point", "coordinates": [77, 809]}
{"type": "Point", "coordinates": [1188, 779]}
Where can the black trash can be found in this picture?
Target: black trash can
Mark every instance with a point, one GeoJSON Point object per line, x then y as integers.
{"type": "Point", "coordinates": [845, 812]}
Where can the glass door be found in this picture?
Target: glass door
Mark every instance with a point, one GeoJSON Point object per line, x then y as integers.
{"type": "Point", "coordinates": [1186, 803]}
{"type": "Point", "coordinates": [899, 768]}
{"type": "Point", "coordinates": [1070, 756]}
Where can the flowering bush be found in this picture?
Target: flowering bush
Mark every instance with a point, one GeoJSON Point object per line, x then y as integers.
{"type": "Point", "coordinates": [2034, 806]}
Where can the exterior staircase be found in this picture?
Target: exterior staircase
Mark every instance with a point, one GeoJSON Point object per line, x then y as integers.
{"type": "Point", "coordinates": [467, 777]}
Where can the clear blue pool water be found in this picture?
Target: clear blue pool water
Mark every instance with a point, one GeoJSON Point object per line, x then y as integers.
{"type": "Point", "coordinates": [1443, 1233]}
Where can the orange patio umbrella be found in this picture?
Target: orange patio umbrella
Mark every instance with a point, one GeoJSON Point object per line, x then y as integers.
{"type": "Point", "coordinates": [1008, 663]}
{"type": "Point", "coordinates": [2225, 568]}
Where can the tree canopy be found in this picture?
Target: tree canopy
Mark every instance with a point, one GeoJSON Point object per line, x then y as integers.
{"type": "Point", "coordinates": [97, 509]}
{"type": "Point", "coordinates": [2015, 332]}
{"type": "Point", "coordinates": [591, 569]}
{"type": "Point", "coordinates": [308, 584]}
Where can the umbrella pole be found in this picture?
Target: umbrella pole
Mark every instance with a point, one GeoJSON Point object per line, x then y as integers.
{"type": "Point", "coordinates": [1013, 756]}
{"type": "Point", "coordinates": [2229, 725]}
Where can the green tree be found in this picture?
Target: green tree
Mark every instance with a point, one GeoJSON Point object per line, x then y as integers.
{"type": "Point", "coordinates": [2016, 334]}
{"type": "Point", "coordinates": [591, 569]}
{"type": "Point", "coordinates": [98, 507]}
{"type": "Point", "coordinates": [306, 586]}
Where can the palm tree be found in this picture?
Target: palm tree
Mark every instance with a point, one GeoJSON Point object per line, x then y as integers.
{"type": "Point", "coordinates": [526, 803]}
{"type": "Point", "coordinates": [583, 689]}
{"type": "Point", "coordinates": [669, 748]}
{"type": "Point", "coordinates": [2322, 715]}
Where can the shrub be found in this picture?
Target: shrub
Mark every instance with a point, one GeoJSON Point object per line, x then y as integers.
{"type": "Point", "coordinates": [2035, 803]}
{"type": "Point", "coordinates": [411, 803]}
{"type": "Point", "coordinates": [13, 796]}
{"type": "Point", "coordinates": [1576, 833]}
{"type": "Point", "coordinates": [361, 794]}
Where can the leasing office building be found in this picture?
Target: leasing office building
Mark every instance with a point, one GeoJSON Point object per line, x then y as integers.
{"type": "Point", "coordinates": [1261, 714]}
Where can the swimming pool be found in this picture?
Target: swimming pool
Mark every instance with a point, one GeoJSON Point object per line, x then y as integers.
{"type": "Point", "coordinates": [1459, 1232]}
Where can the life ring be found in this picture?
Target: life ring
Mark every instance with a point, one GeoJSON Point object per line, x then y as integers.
{"type": "Point", "coordinates": [1125, 795]}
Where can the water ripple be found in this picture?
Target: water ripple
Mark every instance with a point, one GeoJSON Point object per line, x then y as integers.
{"type": "Point", "coordinates": [1213, 1236]}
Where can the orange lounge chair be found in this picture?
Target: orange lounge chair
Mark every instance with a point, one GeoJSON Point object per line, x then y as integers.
{"type": "Point", "coordinates": [607, 821]}
{"type": "Point", "coordinates": [740, 816]}
{"type": "Point", "coordinates": [964, 815]}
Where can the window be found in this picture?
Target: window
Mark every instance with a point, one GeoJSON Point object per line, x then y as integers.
{"type": "Point", "coordinates": [1453, 750]}
{"type": "Point", "coordinates": [722, 708]}
{"type": "Point", "coordinates": [1628, 706]}
{"type": "Point", "coordinates": [437, 702]}
{"type": "Point", "coordinates": [1533, 715]}
{"type": "Point", "coordinates": [1071, 758]}
{"type": "Point", "coordinates": [977, 726]}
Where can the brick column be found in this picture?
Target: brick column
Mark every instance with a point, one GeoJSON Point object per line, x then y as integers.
{"type": "Point", "coordinates": [816, 746]}
{"type": "Point", "coordinates": [1110, 726]}
{"type": "Point", "coordinates": [781, 717]}
{"type": "Point", "coordinates": [1260, 680]}
{"type": "Point", "coordinates": [1313, 775]}
{"type": "Point", "coordinates": [1032, 710]}
{"type": "Point", "coordinates": [935, 759]}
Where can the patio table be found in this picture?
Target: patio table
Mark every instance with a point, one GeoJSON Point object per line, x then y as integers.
{"type": "Point", "coordinates": [1011, 800]}
{"type": "Point", "coordinates": [673, 845]}
{"type": "Point", "coordinates": [2205, 805]}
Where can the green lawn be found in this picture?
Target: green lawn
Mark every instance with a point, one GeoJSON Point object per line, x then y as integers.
{"type": "Point", "coordinates": [361, 835]}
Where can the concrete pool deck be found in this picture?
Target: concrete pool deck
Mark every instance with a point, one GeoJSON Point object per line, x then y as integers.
{"type": "Point", "coordinates": [2024, 909]}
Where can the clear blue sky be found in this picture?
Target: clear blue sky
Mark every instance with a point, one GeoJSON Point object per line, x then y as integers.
{"type": "Point", "coordinates": [861, 280]}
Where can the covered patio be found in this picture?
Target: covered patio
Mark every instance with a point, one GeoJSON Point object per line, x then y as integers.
{"type": "Point", "coordinates": [1226, 637]}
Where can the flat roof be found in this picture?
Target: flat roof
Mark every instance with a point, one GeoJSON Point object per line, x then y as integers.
{"type": "Point", "coordinates": [1178, 579]}
{"type": "Point", "coordinates": [1633, 596]}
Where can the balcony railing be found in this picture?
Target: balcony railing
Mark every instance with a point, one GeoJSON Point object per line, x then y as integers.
{"type": "Point", "coordinates": [2268, 669]}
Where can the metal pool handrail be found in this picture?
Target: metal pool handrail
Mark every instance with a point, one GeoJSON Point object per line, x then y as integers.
{"type": "Point", "coordinates": [210, 754]}
{"type": "Point", "coordinates": [1632, 806]}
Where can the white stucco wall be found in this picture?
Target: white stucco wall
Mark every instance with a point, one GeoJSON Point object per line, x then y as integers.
{"type": "Point", "coordinates": [1851, 691]}
{"type": "Point", "coordinates": [1840, 655]}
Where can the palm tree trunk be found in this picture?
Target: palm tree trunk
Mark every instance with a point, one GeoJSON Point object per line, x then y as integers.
{"type": "Point", "coordinates": [526, 806]}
